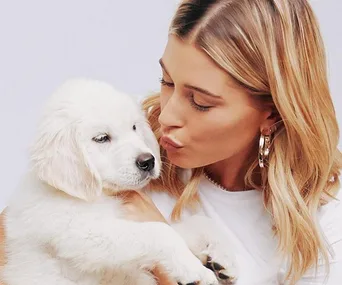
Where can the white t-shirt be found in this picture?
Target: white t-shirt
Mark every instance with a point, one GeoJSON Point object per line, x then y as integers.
{"type": "Point", "coordinates": [242, 216]}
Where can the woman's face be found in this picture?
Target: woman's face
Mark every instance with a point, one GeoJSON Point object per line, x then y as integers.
{"type": "Point", "coordinates": [203, 110]}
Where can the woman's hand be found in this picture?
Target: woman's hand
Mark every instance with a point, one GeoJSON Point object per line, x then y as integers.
{"type": "Point", "coordinates": [139, 207]}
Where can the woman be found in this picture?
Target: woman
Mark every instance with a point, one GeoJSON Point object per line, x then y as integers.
{"type": "Point", "coordinates": [245, 106]}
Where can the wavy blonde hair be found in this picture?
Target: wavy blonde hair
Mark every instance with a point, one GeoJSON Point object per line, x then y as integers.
{"type": "Point", "coordinates": [274, 49]}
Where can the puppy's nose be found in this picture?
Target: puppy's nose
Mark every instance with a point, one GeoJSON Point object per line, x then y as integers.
{"type": "Point", "coordinates": [145, 162]}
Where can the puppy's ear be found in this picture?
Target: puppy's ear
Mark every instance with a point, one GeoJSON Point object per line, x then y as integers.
{"type": "Point", "coordinates": [60, 159]}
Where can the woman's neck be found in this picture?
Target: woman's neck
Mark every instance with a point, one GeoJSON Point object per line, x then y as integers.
{"type": "Point", "coordinates": [230, 173]}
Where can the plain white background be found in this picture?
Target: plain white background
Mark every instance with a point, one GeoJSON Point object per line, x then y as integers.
{"type": "Point", "coordinates": [43, 43]}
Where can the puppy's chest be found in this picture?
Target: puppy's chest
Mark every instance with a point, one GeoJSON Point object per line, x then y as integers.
{"type": "Point", "coordinates": [109, 204]}
{"type": "Point", "coordinates": [105, 208]}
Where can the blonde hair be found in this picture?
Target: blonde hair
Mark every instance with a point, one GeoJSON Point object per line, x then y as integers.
{"type": "Point", "coordinates": [274, 49]}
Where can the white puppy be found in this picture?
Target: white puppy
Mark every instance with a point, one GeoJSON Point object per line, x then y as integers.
{"type": "Point", "coordinates": [64, 226]}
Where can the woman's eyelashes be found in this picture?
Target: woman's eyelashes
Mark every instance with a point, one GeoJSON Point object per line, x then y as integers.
{"type": "Point", "coordinates": [190, 96]}
{"type": "Point", "coordinates": [165, 83]}
{"type": "Point", "coordinates": [197, 106]}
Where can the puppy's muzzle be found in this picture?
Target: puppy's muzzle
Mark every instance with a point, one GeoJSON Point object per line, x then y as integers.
{"type": "Point", "coordinates": [145, 162]}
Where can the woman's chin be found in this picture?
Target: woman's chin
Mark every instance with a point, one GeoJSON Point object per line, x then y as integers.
{"type": "Point", "coordinates": [183, 161]}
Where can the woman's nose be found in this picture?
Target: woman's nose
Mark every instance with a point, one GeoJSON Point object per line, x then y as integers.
{"type": "Point", "coordinates": [171, 114]}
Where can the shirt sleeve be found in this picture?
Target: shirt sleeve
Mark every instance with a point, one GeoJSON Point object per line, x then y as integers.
{"type": "Point", "coordinates": [331, 225]}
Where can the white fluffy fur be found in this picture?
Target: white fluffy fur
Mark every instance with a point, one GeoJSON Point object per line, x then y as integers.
{"type": "Point", "coordinates": [63, 228]}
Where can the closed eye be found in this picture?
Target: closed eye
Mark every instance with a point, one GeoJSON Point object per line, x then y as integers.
{"type": "Point", "coordinates": [165, 83]}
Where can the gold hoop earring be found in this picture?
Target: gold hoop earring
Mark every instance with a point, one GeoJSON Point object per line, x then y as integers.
{"type": "Point", "coordinates": [265, 146]}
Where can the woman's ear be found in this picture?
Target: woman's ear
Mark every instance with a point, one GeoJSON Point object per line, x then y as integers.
{"type": "Point", "coordinates": [270, 120]}
{"type": "Point", "coordinates": [60, 160]}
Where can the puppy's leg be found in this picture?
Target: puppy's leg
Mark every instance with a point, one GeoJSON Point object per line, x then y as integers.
{"type": "Point", "coordinates": [118, 244]}
{"type": "Point", "coordinates": [209, 244]}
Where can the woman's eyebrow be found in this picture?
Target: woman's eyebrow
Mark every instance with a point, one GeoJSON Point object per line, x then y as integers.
{"type": "Point", "coordinates": [201, 90]}
{"type": "Point", "coordinates": [198, 89]}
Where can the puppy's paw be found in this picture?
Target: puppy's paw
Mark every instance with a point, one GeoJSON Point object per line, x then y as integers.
{"type": "Point", "coordinates": [204, 277]}
{"type": "Point", "coordinates": [221, 261]}
{"type": "Point", "coordinates": [207, 241]}
{"type": "Point", "coordinates": [188, 270]}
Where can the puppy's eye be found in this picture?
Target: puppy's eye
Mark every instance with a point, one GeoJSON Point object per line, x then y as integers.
{"type": "Point", "coordinates": [134, 127]}
{"type": "Point", "coordinates": [101, 138]}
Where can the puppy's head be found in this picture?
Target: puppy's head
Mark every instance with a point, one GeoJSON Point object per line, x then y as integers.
{"type": "Point", "coordinates": [93, 137]}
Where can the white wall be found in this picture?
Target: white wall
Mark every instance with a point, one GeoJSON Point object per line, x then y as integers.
{"type": "Point", "coordinates": [330, 19]}
{"type": "Point", "coordinates": [42, 43]}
